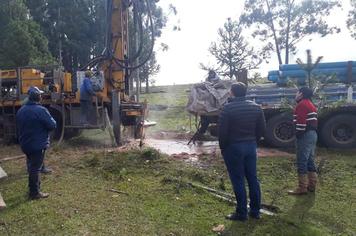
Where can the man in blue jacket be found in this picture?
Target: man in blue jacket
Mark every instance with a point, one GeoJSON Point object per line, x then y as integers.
{"type": "Point", "coordinates": [86, 98]}
{"type": "Point", "coordinates": [34, 123]}
{"type": "Point", "coordinates": [241, 125]}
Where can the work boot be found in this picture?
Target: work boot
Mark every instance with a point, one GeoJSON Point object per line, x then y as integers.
{"type": "Point", "coordinates": [255, 216]}
{"type": "Point", "coordinates": [46, 170]}
{"type": "Point", "coordinates": [39, 195]}
{"type": "Point", "coordinates": [302, 186]}
{"type": "Point", "coordinates": [235, 217]}
{"type": "Point", "coordinates": [313, 179]}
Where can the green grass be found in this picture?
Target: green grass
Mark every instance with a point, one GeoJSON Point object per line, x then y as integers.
{"type": "Point", "coordinates": [160, 202]}
{"type": "Point", "coordinates": [175, 118]}
{"type": "Point", "coordinates": [175, 95]}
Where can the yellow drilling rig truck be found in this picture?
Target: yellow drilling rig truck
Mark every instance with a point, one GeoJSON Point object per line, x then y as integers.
{"type": "Point", "coordinates": [113, 104]}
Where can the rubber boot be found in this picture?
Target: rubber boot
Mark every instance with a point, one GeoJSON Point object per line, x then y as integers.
{"type": "Point", "coordinates": [302, 186]}
{"type": "Point", "coordinates": [313, 179]}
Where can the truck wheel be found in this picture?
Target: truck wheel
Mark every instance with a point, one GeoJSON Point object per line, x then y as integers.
{"type": "Point", "coordinates": [7, 126]}
{"type": "Point", "coordinates": [339, 131]}
{"type": "Point", "coordinates": [213, 130]}
{"type": "Point", "coordinates": [71, 133]}
{"type": "Point", "coordinates": [280, 131]}
{"type": "Point", "coordinates": [2, 128]}
{"type": "Point", "coordinates": [56, 134]}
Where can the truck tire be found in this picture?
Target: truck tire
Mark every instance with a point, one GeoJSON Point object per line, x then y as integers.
{"type": "Point", "coordinates": [214, 130]}
{"type": "Point", "coordinates": [71, 133]}
{"type": "Point", "coordinates": [339, 131]}
{"type": "Point", "coordinates": [2, 128]}
{"type": "Point", "coordinates": [280, 131]}
{"type": "Point", "coordinates": [5, 126]}
{"type": "Point", "coordinates": [56, 134]}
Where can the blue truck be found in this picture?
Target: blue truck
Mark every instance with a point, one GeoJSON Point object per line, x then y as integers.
{"type": "Point", "coordinates": [336, 103]}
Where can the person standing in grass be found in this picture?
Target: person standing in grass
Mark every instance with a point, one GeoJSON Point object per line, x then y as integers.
{"type": "Point", "coordinates": [241, 126]}
{"type": "Point", "coordinates": [306, 125]}
{"type": "Point", "coordinates": [33, 123]}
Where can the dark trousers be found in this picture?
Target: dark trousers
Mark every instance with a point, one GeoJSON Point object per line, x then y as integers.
{"type": "Point", "coordinates": [86, 108]}
{"type": "Point", "coordinates": [34, 165]}
{"type": "Point", "coordinates": [240, 160]}
{"type": "Point", "coordinates": [306, 151]}
{"type": "Point", "coordinates": [205, 121]}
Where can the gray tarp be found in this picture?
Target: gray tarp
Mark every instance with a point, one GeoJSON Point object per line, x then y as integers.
{"type": "Point", "coordinates": [207, 98]}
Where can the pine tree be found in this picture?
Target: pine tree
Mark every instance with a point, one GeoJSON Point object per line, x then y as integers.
{"type": "Point", "coordinates": [232, 52]}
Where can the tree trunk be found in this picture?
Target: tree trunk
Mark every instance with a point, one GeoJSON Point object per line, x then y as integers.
{"type": "Point", "coordinates": [290, 5]}
{"type": "Point", "coordinates": [274, 35]}
{"type": "Point", "coordinates": [147, 86]}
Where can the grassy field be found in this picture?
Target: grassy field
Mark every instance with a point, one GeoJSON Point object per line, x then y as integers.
{"type": "Point", "coordinates": [155, 197]}
{"type": "Point", "coordinates": [175, 118]}
{"type": "Point", "coordinates": [158, 201]}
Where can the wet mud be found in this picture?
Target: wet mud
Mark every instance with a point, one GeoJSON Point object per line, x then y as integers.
{"type": "Point", "coordinates": [179, 148]}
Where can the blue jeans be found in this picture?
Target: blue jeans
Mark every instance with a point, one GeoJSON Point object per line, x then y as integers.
{"type": "Point", "coordinates": [34, 165]}
{"type": "Point", "coordinates": [86, 108]}
{"type": "Point", "coordinates": [240, 160]}
{"type": "Point", "coordinates": [305, 152]}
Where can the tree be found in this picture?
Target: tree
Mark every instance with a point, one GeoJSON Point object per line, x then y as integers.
{"type": "Point", "coordinates": [79, 26]}
{"type": "Point", "coordinates": [21, 40]}
{"type": "Point", "coordinates": [149, 69]}
{"type": "Point", "coordinates": [309, 66]}
{"type": "Point", "coordinates": [351, 22]}
{"type": "Point", "coordinates": [232, 52]}
{"type": "Point", "coordinates": [281, 24]}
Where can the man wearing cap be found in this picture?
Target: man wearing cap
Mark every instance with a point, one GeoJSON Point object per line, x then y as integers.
{"type": "Point", "coordinates": [86, 98]}
{"type": "Point", "coordinates": [34, 123]}
{"type": "Point", "coordinates": [306, 125]}
{"type": "Point", "coordinates": [241, 126]}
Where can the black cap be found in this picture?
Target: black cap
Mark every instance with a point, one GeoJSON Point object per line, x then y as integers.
{"type": "Point", "coordinates": [307, 92]}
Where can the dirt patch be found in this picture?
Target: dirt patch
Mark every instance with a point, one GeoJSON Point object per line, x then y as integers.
{"type": "Point", "coordinates": [170, 135]}
{"type": "Point", "coordinates": [271, 152]}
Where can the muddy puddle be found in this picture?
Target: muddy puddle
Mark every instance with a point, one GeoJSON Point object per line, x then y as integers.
{"type": "Point", "coordinates": [178, 148]}
{"type": "Point", "coordinates": [174, 147]}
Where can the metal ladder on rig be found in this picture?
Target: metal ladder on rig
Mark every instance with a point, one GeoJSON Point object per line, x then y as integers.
{"type": "Point", "coordinates": [98, 113]}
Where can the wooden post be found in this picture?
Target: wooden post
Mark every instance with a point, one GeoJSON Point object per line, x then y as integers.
{"type": "Point", "coordinates": [241, 76]}
{"type": "Point", "coordinates": [2, 173]}
{"type": "Point", "coordinates": [2, 202]}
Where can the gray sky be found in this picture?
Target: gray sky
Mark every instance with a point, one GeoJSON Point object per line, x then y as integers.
{"type": "Point", "coordinates": [199, 21]}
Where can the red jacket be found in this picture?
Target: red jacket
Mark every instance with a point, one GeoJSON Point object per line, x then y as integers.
{"type": "Point", "coordinates": [305, 117]}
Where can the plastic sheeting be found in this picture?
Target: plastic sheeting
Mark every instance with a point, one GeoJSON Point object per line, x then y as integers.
{"type": "Point", "coordinates": [207, 98]}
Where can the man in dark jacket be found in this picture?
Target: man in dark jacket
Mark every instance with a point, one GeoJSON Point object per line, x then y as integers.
{"type": "Point", "coordinates": [86, 98]}
{"type": "Point", "coordinates": [33, 125]}
{"type": "Point", "coordinates": [306, 125]}
{"type": "Point", "coordinates": [241, 125]}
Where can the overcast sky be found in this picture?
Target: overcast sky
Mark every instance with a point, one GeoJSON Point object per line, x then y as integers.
{"type": "Point", "coordinates": [199, 21]}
